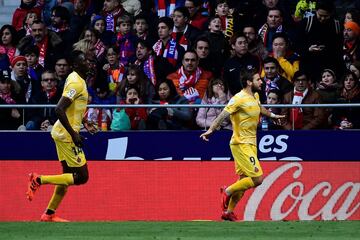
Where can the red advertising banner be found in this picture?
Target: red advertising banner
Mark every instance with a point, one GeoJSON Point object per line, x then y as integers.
{"type": "Point", "coordinates": [178, 190]}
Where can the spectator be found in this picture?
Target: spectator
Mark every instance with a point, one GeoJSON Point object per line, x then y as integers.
{"type": "Point", "coordinates": [219, 47]}
{"type": "Point", "coordinates": [348, 118]}
{"type": "Point", "coordinates": [274, 96]}
{"type": "Point", "coordinates": [273, 24]}
{"type": "Point", "coordinates": [25, 7]}
{"type": "Point", "coordinates": [226, 16]}
{"type": "Point", "coordinates": [114, 69]}
{"type": "Point", "coordinates": [154, 67]}
{"type": "Point", "coordinates": [206, 60]}
{"type": "Point", "coordinates": [166, 46]}
{"type": "Point", "coordinates": [256, 46]}
{"type": "Point", "coordinates": [79, 19]}
{"type": "Point", "coordinates": [62, 71]}
{"type": "Point", "coordinates": [9, 117]}
{"type": "Point", "coordinates": [303, 118]}
{"type": "Point", "coordinates": [85, 45]}
{"type": "Point", "coordinates": [8, 41]}
{"type": "Point", "coordinates": [242, 59]}
{"type": "Point", "coordinates": [112, 10]}
{"type": "Point", "coordinates": [108, 37]}
{"type": "Point", "coordinates": [28, 21]}
{"type": "Point", "coordinates": [304, 9]}
{"type": "Point", "coordinates": [44, 118]}
{"type": "Point", "coordinates": [137, 116]}
{"type": "Point", "coordinates": [198, 15]}
{"type": "Point", "coordinates": [60, 24]}
{"type": "Point", "coordinates": [99, 46]}
{"type": "Point", "coordinates": [100, 94]}
{"type": "Point", "coordinates": [190, 81]}
{"type": "Point", "coordinates": [141, 27]}
{"type": "Point", "coordinates": [135, 77]}
{"type": "Point", "coordinates": [352, 15]}
{"type": "Point", "coordinates": [168, 118]}
{"type": "Point", "coordinates": [355, 68]}
{"type": "Point", "coordinates": [49, 43]}
{"type": "Point", "coordinates": [24, 86]}
{"type": "Point", "coordinates": [289, 61]}
{"type": "Point", "coordinates": [184, 33]}
{"type": "Point", "coordinates": [35, 70]}
{"type": "Point", "coordinates": [126, 40]}
{"type": "Point", "coordinates": [217, 93]}
{"type": "Point", "coordinates": [328, 88]}
{"type": "Point", "coordinates": [351, 43]}
{"type": "Point", "coordinates": [320, 41]}
{"type": "Point", "coordinates": [273, 79]}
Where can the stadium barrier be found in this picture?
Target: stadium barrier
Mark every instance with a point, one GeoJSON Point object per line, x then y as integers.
{"type": "Point", "coordinates": [181, 175]}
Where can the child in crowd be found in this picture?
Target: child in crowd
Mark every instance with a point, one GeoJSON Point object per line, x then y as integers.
{"type": "Point", "coordinates": [31, 54]}
{"type": "Point", "coordinates": [25, 7]}
{"type": "Point", "coordinates": [100, 94]}
{"type": "Point", "coordinates": [226, 16]}
{"type": "Point", "coordinates": [112, 10]}
{"type": "Point", "coordinates": [126, 40]}
{"type": "Point", "coordinates": [114, 69]}
{"type": "Point", "coordinates": [98, 23]}
{"type": "Point", "coordinates": [136, 78]}
{"type": "Point", "coordinates": [137, 116]}
{"type": "Point", "coordinates": [28, 20]}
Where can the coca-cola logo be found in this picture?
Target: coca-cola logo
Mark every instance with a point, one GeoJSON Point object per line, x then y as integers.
{"type": "Point", "coordinates": [347, 195]}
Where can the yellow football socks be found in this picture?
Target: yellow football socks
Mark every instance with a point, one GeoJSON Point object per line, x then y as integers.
{"type": "Point", "coordinates": [235, 198]}
{"type": "Point", "coordinates": [65, 179]}
{"type": "Point", "coordinates": [57, 197]}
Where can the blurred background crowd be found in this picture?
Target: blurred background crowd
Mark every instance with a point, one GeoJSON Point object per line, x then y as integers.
{"type": "Point", "coordinates": [182, 52]}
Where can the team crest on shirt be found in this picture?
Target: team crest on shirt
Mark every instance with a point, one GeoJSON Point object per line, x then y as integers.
{"type": "Point", "coordinates": [78, 160]}
{"type": "Point", "coordinates": [71, 93]}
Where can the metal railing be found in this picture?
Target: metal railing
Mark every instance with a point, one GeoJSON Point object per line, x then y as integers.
{"type": "Point", "coordinates": [338, 105]}
{"type": "Point", "coordinates": [27, 106]}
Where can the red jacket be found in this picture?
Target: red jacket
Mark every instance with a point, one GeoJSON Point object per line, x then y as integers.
{"type": "Point", "coordinates": [20, 14]}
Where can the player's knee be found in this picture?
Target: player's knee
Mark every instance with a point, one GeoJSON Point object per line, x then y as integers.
{"type": "Point", "coordinates": [81, 178]}
{"type": "Point", "coordinates": [258, 180]}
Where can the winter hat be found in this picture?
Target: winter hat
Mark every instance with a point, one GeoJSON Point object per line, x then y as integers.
{"type": "Point", "coordinates": [17, 59]}
{"type": "Point", "coordinates": [353, 26]}
{"type": "Point", "coordinates": [97, 18]}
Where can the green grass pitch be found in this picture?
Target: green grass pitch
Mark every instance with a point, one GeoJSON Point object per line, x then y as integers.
{"type": "Point", "coordinates": [317, 230]}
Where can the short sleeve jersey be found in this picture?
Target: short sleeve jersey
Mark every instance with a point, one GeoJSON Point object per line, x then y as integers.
{"type": "Point", "coordinates": [75, 89]}
{"type": "Point", "coordinates": [244, 112]}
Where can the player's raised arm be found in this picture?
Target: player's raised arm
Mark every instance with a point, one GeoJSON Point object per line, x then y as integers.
{"type": "Point", "coordinates": [215, 125]}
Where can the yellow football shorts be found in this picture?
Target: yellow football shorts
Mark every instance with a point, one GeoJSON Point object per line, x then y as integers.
{"type": "Point", "coordinates": [68, 151]}
{"type": "Point", "coordinates": [246, 160]}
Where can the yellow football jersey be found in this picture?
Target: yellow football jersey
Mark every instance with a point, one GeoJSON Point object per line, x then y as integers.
{"type": "Point", "coordinates": [76, 90]}
{"type": "Point", "coordinates": [244, 112]}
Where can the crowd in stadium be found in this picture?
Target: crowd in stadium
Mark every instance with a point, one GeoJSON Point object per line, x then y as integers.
{"type": "Point", "coordinates": [182, 52]}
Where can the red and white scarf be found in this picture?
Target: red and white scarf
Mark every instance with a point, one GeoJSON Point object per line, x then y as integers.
{"type": "Point", "coordinates": [188, 80]}
{"type": "Point", "coordinates": [42, 47]}
{"type": "Point", "coordinates": [296, 115]}
{"type": "Point", "coordinates": [99, 48]}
